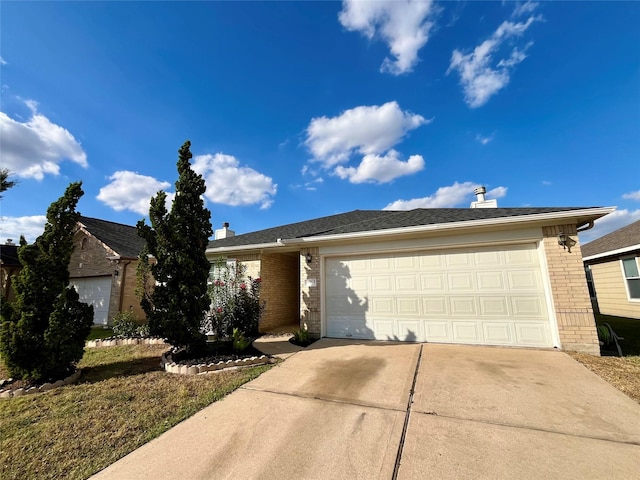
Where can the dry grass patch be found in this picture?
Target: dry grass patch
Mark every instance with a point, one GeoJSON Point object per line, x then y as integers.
{"type": "Point", "coordinates": [122, 401]}
{"type": "Point", "coordinates": [621, 372]}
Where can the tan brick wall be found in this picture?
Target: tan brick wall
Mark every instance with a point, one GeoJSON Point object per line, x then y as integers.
{"type": "Point", "coordinates": [279, 291]}
{"type": "Point", "coordinates": [310, 296]}
{"type": "Point", "coordinates": [574, 314]}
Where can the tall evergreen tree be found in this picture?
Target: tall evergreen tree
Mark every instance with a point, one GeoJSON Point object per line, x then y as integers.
{"type": "Point", "coordinates": [42, 334]}
{"type": "Point", "coordinates": [178, 240]}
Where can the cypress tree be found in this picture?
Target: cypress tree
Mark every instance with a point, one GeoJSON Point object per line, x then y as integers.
{"type": "Point", "coordinates": [42, 334]}
{"type": "Point", "coordinates": [178, 239]}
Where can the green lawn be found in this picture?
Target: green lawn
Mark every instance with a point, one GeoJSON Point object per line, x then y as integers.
{"type": "Point", "coordinates": [100, 332]}
{"type": "Point", "coordinates": [628, 328]}
{"type": "Point", "coordinates": [122, 401]}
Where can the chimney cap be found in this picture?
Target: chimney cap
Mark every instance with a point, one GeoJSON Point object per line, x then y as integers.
{"type": "Point", "coordinates": [225, 224]}
{"type": "Point", "coordinates": [480, 189]}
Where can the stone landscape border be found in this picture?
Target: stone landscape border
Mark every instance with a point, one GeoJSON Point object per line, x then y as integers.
{"type": "Point", "coordinates": [166, 363]}
{"type": "Point", "coordinates": [170, 366]}
{"type": "Point", "coordinates": [45, 387]}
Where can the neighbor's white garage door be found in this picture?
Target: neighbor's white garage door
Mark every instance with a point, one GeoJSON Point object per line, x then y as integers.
{"type": "Point", "coordinates": [95, 291]}
{"type": "Point", "coordinates": [491, 296]}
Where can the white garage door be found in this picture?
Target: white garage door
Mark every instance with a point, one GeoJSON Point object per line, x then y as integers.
{"type": "Point", "coordinates": [490, 296]}
{"type": "Point", "coordinates": [95, 291]}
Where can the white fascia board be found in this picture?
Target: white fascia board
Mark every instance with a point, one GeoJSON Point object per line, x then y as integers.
{"type": "Point", "coordinates": [611, 253]}
{"type": "Point", "coordinates": [442, 227]}
{"type": "Point", "coordinates": [254, 246]}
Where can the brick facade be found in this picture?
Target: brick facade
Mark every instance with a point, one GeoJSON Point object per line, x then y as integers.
{"type": "Point", "coordinates": [571, 302]}
{"type": "Point", "coordinates": [310, 292]}
{"type": "Point", "coordinates": [278, 289]}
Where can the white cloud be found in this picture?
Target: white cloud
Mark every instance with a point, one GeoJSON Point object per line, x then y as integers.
{"type": "Point", "coordinates": [403, 24]}
{"type": "Point", "coordinates": [632, 196]}
{"type": "Point", "coordinates": [35, 148]}
{"type": "Point", "coordinates": [132, 191]}
{"type": "Point", "coordinates": [546, 183]}
{"type": "Point", "coordinates": [31, 227]}
{"type": "Point", "coordinates": [479, 78]}
{"type": "Point", "coordinates": [609, 223]}
{"type": "Point", "coordinates": [365, 130]}
{"type": "Point", "coordinates": [2, 61]}
{"type": "Point", "coordinates": [230, 184]}
{"type": "Point", "coordinates": [446, 197]}
{"type": "Point", "coordinates": [484, 139]}
{"type": "Point", "coordinates": [524, 8]}
{"type": "Point", "coordinates": [381, 168]}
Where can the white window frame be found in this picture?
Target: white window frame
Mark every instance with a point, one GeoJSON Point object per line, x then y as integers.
{"type": "Point", "coordinates": [626, 279]}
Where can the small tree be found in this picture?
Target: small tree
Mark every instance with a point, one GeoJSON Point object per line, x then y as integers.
{"type": "Point", "coordinates": [42, 334]}
{"type": "Point", "coordinates": [178, 240]}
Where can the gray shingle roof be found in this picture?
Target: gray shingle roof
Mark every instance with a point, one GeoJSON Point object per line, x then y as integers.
{"type": "Point", "coordinates": [123, 239]}
{"type": "Point", "coordinates": [621, 238]}
{"type": "Point", "coordinates": [371, 220]}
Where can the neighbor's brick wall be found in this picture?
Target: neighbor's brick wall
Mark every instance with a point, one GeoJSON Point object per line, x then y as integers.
{"type": "Point", "coordinates": [310, 296]}
{"type": "Point", "coordinates": [89, 259]}
{"type": "Point", "coordinates": [279, 290]}
{"type": "Point", "coordinates": [574, 314]}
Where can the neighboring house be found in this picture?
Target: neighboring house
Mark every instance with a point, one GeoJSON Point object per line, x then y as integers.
{"type": "Point", "coordinates": [612, 265]}
{"type": "Point", "coordinates": [487, 276]}
{"type": "Point", "coordinates": [9, 266]}
{"type": "Point", "coordinates": [103, 267]}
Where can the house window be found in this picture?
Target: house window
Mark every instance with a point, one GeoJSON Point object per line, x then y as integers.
{"type": "Point", "coordinates": [592, 288]}
{"type": "Point", "coordinates": [632, 277]}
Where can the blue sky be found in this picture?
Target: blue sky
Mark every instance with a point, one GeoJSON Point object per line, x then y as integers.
{"type": "Point", "coordinates": [297, 110]}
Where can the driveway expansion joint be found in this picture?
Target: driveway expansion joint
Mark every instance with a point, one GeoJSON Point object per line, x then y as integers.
{"type": "Point", "coordinates": [403, 436]}
{"type": "Point", "coordinates": [324, 399]}
{"type": "Point", "coordinates": [527, 427]}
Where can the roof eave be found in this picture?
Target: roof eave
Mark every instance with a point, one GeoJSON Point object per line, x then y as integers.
{"type": "Point", "coordinates": [582, 215]}
{"type": "Point", "coordinates": [611, 253]}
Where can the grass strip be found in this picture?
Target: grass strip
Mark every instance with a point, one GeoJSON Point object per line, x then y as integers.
{"type": "Point", "coordinates": [121, 402]}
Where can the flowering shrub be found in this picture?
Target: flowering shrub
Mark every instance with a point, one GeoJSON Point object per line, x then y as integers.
{"type": "Point", "coordinates": [235, 301]}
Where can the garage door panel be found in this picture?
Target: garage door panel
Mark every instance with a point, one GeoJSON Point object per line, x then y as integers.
{"type": "Point", "coordinates": [350, 327]}
{"type": "Point", "coordinates": [382, 283]}
{"type": "Point", "coordinates": [524, 280]}
{"type": "Point", "coordinates": [521, 255]}
{"type": "Point", "coordinates": [410, 331]}
{"type": "Point", "coordinates": [500, 333]}
{"type": "Point", "coordinates": [527, 307]}
{"type": "Point", "coordinates": [437, 331]}
{"type": "Point", "coordinates": [494, 306]}
{"type": "Point", "coordinates": [491, 281]}
{"type": "Point", "coordinates": [383, 306]}
{"type": "Point", "coordinates": [408, 306]}
{"type": "Point", "coordinates": [461, 259]}
{"type": "Point", "coordinates": [464, 306]}
{"type": "Point", "coordinates": [488, 258]}
{"type": "Point", "coordinates": [462, 281]}
{"type": "Point", "coordinates": [435, 306]}
{"type": "Point", "coordinates": [486, 295]}
{"type": "Point", "coordinates": [466, 332]}
{"type": "Point", "coordinates": [385, 329]}
{"type": "Point", "coordinates": [407, 284]}
{"type": "Point", "coordinates": [532, 334]}
{"type": "Point", "coordinates": [433, 282]}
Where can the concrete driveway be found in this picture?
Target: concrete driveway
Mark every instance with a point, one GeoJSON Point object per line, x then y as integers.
{"type": "Point", "coordinates": [369, 410]}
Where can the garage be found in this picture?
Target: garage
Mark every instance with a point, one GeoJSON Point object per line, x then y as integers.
{"type": "Point", "coordinates": [95, 291]}
{"type": "Point", "coordinates": [492, 295]}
